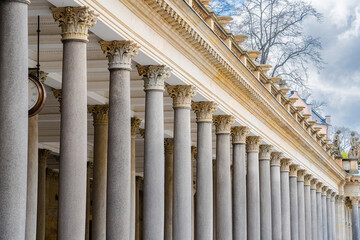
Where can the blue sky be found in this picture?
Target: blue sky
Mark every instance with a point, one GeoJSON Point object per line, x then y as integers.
{"type": "Point", "coordinates": [339, 82]}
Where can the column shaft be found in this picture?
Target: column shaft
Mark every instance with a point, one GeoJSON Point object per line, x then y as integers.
{"type": "Point", "coordinates": [285, 199]}
{"type": "Point", "coordinates": [276, 205]}
{"type": "Point", "coordinates": [314, 217]}
{"type": "Point", "coordinates": [307, 199]}
{"type": "Point", "coordinates": [355, 222]}
{"type": "Point", "coordinates": [169, 190]}
{"type": "Point", "coordinates": [319, 215]}
{"type": "Point", "coordinates": [301, 204]}
{"type": "Point", "coordinates": [32, 179]}
{"type": "Point", "coordinates": [324, 216]}
{"type": "Point", "coordinates": [329, 217]}
{"type": "Point", "coordinates": [294, 210]}
{"type": "Point", "coordinates": [14, 118]}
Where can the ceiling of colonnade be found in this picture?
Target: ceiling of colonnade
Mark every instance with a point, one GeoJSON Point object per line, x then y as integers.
{"type": "Point", "coordinates": [98, 84]}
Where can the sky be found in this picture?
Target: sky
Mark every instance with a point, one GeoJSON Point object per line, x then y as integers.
{"type": "Point", "coordinates": [338, 83]}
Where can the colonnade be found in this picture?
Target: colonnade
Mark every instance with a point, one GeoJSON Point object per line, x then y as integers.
{"type": "Point", "coordinates": [268, 196]}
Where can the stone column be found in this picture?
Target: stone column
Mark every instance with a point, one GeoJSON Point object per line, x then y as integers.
{"type": "Point", "coordinates": [285, 199]}
{"type": "Point", "coordinates": [223, 181]}
{"type": "Point", "coordinates": [169, 190]}
{"type": "Point", "coordinates": [154, 164]}
{"type": "Point", "coordinates": [301, 203]}
{"type": "Point", "coordinates": [319, 211]}
{"type": "Point", "coordinates": [41, 194]}
{"type": "Point", "coordinates": [324, 212]}
{"type": "Point", "coordinates": [90, 167]}
{"type": "Point", "coordinates": [340, 217]}
{"type": "Point", "coordinates": [13, 117]}
{"type": "Point", "coordinates": [239, 135]}
{"type": "Point", "coordinates": [182, 95]}
{"type": "Point", "coordinates": [204, 170]}
{"type": "Point", "coordinates": [314, 211]}
{"type": "Point", "coordinates": [253, 187]}
{"type": "Point", "coordinates": [275, 195]}
{"type": "Point", "coordinates": [118, 200]}
{"type": "Point", "coordinates": [355, 217]}
{"type": "Point", "coordinates": [333, 216]}
{"type": "Point", "coordinates": [135, 123]}
{"type": "Point", "coordinates": [32, 178]}
{"type": "Point", "coordinates": [74, 22]}
{"type": "Point", "coordinates": [139, 208]}
{"type": "Point", "coordinates": [100, 115]}
{"type": "Point", "coordinates": [193, 191]}
{"type": "Point", "coordinates": [307, 203]}
{"type": "Point", "coordinates": [265, 192]}
{"type": "Point", "coordinates": [294, 209]}
{"type": "Point", "coordinates": [328, 214]}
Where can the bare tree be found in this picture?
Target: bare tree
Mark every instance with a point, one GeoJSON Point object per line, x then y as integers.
{"type": "Point", "coordinates": [275, 27]}
{"type": "Point", "coordinates": [344, 136]}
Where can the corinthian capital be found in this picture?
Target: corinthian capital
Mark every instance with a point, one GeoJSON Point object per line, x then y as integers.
{"type": "Point", "coordinates": [265, 151]}
{"type": "Point", "coordinates": [294, 168]}
{"type": "Point", "coordinates": [275, 158]}
{"type": "Point", "coordinates": [75, 22]}
{"type": "Point", "coordinates": [285, 165]}
{"type": "Point", "coordinates": [181, 95]}
{"type": "Point", "coordinates": [119, 53]}
{"type": "Point", "coordinates": [313, 183]}
{"type": "Point", "coordinates": [43, 155]}
{"type": "Point", "coordinates": [253, 143]}
{"type": "Point", "coordinates": [301, 175]}
{"type": "Point", "coordinates": [154, 76]}
{"type": "Point", "coordinates": [324, 190]}
{"type": "Point", "coordinates": [100, 113]}
{"type": "Point", "coordinates": [223, 123]}
{"type": "Point", "coordinates": [204, 110]}
{"type": "Point", "coordinates": [307, 179]}
{"type": "Point", "coordinates": [239, 134]}
{"type": "Point", "coordinates": [319, 186]}
{"type": "Point", "coordinates": [354, 201]}
{"type": "Point", "coordinates": [135, 124]}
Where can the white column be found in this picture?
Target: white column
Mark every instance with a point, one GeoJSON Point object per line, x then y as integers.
{"type": "Point", "coordinates": [204, 170]}
{"type": "Point", "coordinates": [314, 211]}
{"type": "Point", "coordinates": [265, 192]}
{"type": "Point", "coordinates": [118, 199]}
{"type": "Point", "coordinates": [301, 203]}
{"type": "Point", "coordinates": [355, 217]}
{"type": "Point", "coordinates": [319, 211]}
{"type": "Point", "coordinates": [74, 22]}
{"type": "Point", "coordinates": [329, 213]}
{"type": "Point", "coordinates": [285, 199]}
{"type": "Point", "coordinates": [307, 199]}
{"type": "Point", "coordinates": [223, 180]}
{"type": "Point", "coordinates": [324, 212]}
{"type": "Point", "coordinates": [154, 164]}
{"type": "Point", "coordinates": [275, 195]}
{"type": "Point", "coordinates": [169, 187]}
{"type": "Point", "coordinates": [182, 95]}
{"type": "Point", "coordinates": [253, 187]}
{"type": "Point", "coordinates": [13, 117]}
{"type": "Point", "coordinates": [100, 115]}
{"type": "Point", "coordinates": [333, 217]}
{"type": "Point", "coordinates": [294, 209]}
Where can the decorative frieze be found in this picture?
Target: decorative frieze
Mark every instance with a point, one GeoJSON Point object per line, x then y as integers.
{"type": "Point", "coordinates": [275, 158]}
{"type": "Point", "coordinates": [100, 113]}
{"type": "Point", "coordinates": [285, 165]}
{"type": "Point", "coordinates": [293, 169]}
{"type": "Point", "coordinates": [119, 53]}
{"type": "Point", "coordinates": [43, 155]}
{"type": "Point", "coordinates": [253, 143]}
{"type": "Point", "coordinates": [265, 151]}
{"type": "Point", "coordinates": [181, 95]}
{"type": "Point", "coordinates": [239, 134]}
{"type": "Point", "coordinates": [313, 183]}
{"type": "Point", "coordinates": [75, 22]}
{"type": "Point", "coordinates": [135, 124]}
{"type": "Point", "coordinates": [223, 123]}
{"type": "Point", "coordinates": [301, 175]}
{"type": "Point", "coordinates": [307, 179]}
{"type": "Point", "coordinates": [154, 76]}
{"type": "Point", "coordinates": [204, 111]}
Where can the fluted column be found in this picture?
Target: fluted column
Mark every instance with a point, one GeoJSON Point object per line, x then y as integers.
{"type": "Point", "coordinates": [239, 135]}
{"type": "Point", "coordinates": [74, 22]}
{"type": "Point", "coordinates": [314, 211]}
{"type": "Point", "coordinates": [265, 192]}
{"type": "Point", "coordinates": [13, 117]}
{"type": "Point", "coordinates": [355, 217]}
{"type": "Point", "coordinates": [275, 195]}
{"type": "Point", "coordinates": [285, 199]}
{"type": "Point", "coordinates": [223, 181]}
{"type": "Point", "coordinates": [328, 214]}
{"type": "Point", "coordinates": [182, 95]}
{"type": "Point", "coordinates": [324, 212]}
{"type": "Point", "coordinates": [118, 200]}
{"type": "Point", "coordinates": [204, 170]}
{"type": "Point", "coordinates": [253, 187]}
{"type": "Point", "coordinates": [154, 164]}
{"type": "Point", "coordinates": [41, 194]}
{"type": "Point", "coordinates": [301, 203]}
{"type": "Point", "coordinates": [100, 115]}
{"type": "Point", "coordinates": [169, 187]}
{"type": "Point", "coordinates": [307, 204]}
{"type": "Point", "coordinates": [135, 123]}
{"type": "Point", "coordinates": [319, 211]}
{"type": "Point", "coordinates": [294, 209]}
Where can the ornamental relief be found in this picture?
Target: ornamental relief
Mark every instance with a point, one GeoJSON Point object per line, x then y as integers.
{"type": "Point", "coordinates": [265, 151]}
{"type": "Point", "coordinates": [223, 123]}
{"type": "Point", "coordinates": [119, 53]}
{"type": "Point", "coordinates": [154, 76]}
{"type": "Point", "coordinates": [204, 111]}
{"type": "Point", "coordinates": [275, 158]}
{"type": "Point", "coordinates": [239, 134]}
{"type": "Point", "coordinates": [181, 95]}
{"type": "Point", "coordinates": [100, 113]}
{"type": "Point", "coordinates": [253, 143]}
